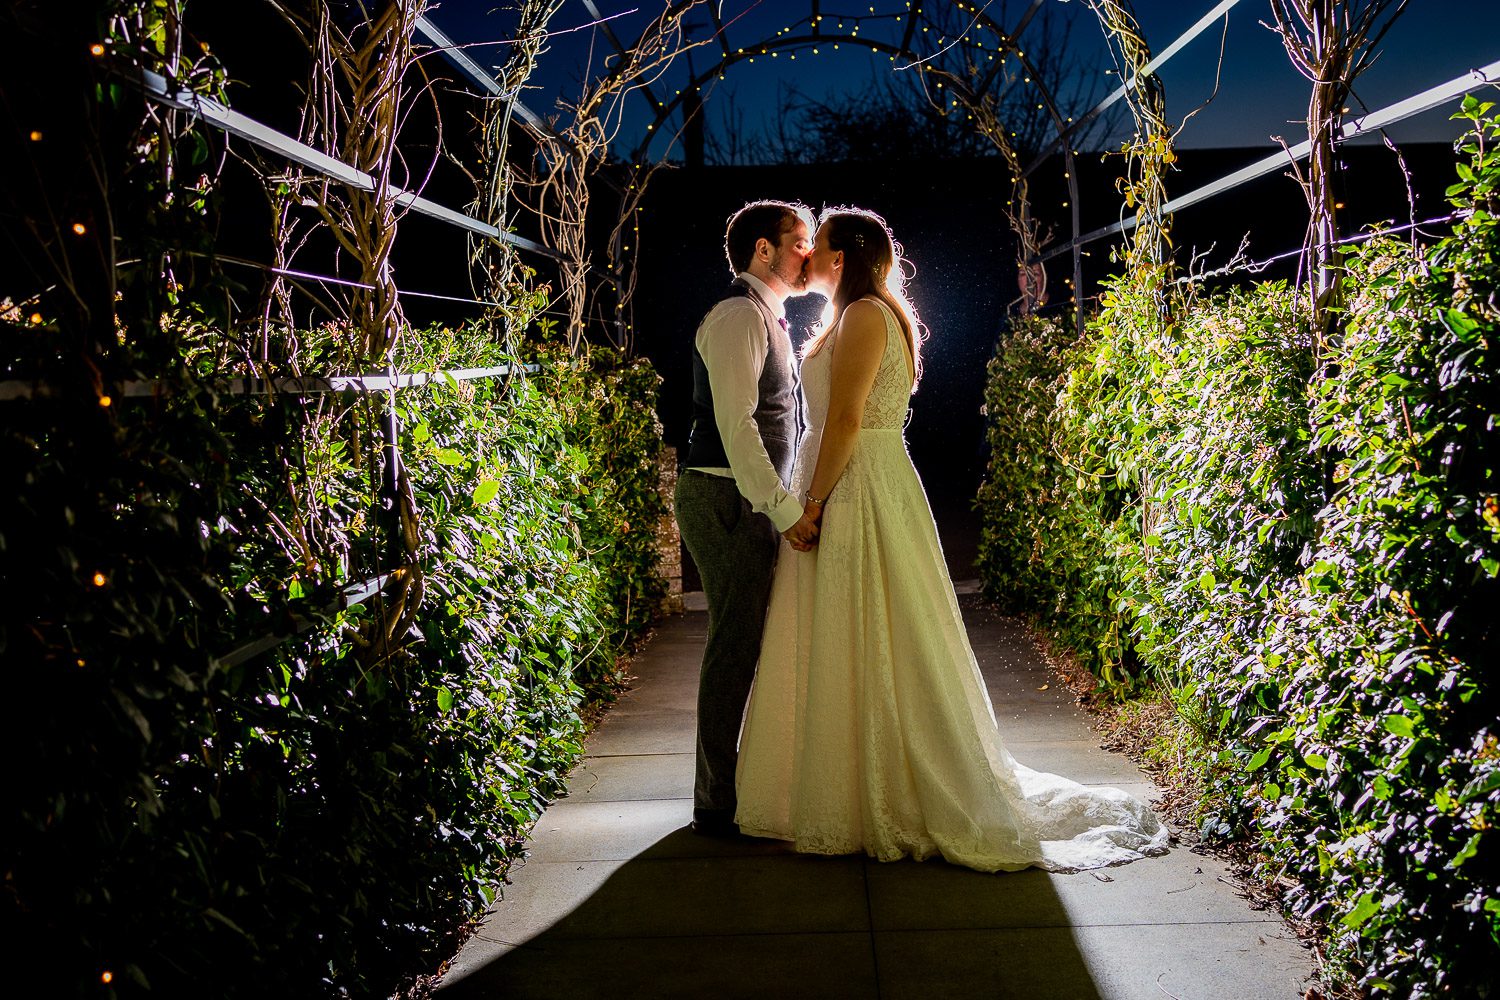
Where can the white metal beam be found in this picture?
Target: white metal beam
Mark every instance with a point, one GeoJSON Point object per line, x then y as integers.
{"type": "Point", "coordinates": [211, 111]}
{"type": "Point", "coordinates": [1375, 120]}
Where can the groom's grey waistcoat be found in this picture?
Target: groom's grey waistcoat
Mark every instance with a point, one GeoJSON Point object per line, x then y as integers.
{"type": "Point", "coordinates": [776, 411]}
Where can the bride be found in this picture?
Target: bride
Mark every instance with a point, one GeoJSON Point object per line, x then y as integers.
{"type": "Point", "coordinates": [869, 727]}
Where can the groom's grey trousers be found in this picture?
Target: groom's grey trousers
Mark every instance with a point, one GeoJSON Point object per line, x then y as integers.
{"type": "Point", "coordinates": [735, 551]}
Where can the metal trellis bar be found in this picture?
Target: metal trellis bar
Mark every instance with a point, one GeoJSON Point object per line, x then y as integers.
{"type": "Point", "coordinates": [1374, 121]}
{"type": "Point", "coordinates": [458, 57]}
{"type": "Point", "coordinates": [304, 385]}
{"type": "Point", "coordinates": [1151, 67]}
{"type": "Point", "coordinates": [156, 87]}
{"type": "Point", "coordinates": [1257, 266]}
{"type": "Point", "coordinates": [350, 596]}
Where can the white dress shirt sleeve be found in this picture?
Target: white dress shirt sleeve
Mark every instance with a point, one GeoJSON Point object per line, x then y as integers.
{"type": "Point", "coordinates": [732, 341]}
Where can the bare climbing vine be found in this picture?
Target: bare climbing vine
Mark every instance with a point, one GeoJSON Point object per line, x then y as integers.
{"type": "Point", "coordinates": [1330, 42]}
{"type": "Point", "coordinates": [559, 193]}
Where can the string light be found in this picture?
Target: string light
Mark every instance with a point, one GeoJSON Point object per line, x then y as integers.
{"type": "Point", "coordinates": [100, 580]}
{"type": "Point", "coordinates": [107, 977]}
{"type": "Point", "coordinates": [36, 136]}
{"type": "Point", "coordinates": [105, 400]}
{"type": "Point", "coordinates": [79, 228]}
{"type": "Point", "coordinates": [82, 663]}
{"type": "Point", "coordinates": [97, 49]}
{"type": "Point", "coordinates": [36, 319]}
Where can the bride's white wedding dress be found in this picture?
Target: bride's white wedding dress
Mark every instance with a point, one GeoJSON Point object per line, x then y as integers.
{"type": "Point", "coordinates": [869, 727]}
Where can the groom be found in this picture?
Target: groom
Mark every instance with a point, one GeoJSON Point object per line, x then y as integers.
{"type": "Point", "coordinates": [732, 497]}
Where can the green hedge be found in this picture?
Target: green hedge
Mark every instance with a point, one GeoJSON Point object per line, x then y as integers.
{"type": "Point", "coordinates": [1305, 556]}
{"type": "Point", "coordinates": [302, 823]}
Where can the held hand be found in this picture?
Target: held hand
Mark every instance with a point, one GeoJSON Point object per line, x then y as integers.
{"type": "Point", "coordinates": [803, 535]}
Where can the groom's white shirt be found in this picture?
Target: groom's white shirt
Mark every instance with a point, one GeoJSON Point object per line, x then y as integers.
{"type": "Point", "coordinates": [732, 341]}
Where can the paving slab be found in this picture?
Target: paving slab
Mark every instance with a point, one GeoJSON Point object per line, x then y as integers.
{"type": "Point", "coordinates": [627, 777]}
{"type": "Point", "coordinates": [1181, 888]}
{"type": "Point", "coordinates": [1134, 962]}
{"type": "Point", "coordinates": [617, 898]}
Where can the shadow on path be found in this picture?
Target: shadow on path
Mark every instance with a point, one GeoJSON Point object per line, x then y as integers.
{"type": "Point", "coordinates": [690, 917]}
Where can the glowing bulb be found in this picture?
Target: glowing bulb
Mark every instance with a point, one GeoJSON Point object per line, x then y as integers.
{"type": "Point", "coordinates": [36, 319]}
{"type": "Point", "coordinates": [79, 228]}
{"type": "Point", "coordinates": [105, 400]}
{"type": "Point", "coordinates": [99, 581]}
{"type": "Point", "coordinates": [36, 136]}
{"type": "Point", "coordinates": [97, 50]}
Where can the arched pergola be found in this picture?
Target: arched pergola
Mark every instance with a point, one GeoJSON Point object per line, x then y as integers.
{"type": "Point", "coordinates": [973, 92]}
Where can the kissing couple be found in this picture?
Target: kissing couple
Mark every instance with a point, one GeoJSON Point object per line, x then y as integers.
{"type": "Point", "coordinates": [830, 609]}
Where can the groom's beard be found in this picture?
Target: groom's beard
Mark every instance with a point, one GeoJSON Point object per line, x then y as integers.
{"type": "Point", "coordinates": [791, 271]}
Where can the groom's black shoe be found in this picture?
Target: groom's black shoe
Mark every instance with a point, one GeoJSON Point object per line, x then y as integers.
{"type": "Point", "coordinates": [714, 823]}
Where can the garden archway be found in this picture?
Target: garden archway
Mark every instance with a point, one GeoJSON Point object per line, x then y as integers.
{"type": "Point", "coordinates": [967, 89]}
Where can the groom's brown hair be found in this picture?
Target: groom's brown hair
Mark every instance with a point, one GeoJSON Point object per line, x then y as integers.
{"type": "Point", "coordinates": [761, 220]}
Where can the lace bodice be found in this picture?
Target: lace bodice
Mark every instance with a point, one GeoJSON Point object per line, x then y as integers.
{"type": "Point", "coordinates": [890, 396]}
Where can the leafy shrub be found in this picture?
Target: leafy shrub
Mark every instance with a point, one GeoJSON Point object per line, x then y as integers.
{"type": "Point", "coordinates": [298, 814]}
{"type": "Point", "coordinates": [1380, 772]}
{"type": "Point", "coordinates": [1306, 558]}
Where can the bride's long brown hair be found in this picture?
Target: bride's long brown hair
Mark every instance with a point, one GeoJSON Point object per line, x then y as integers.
{"type": "Point", "coordinates": [873, 265]}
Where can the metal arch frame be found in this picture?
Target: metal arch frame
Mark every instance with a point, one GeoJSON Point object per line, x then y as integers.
{"type": "Point", "coordinates": [1008, 43]}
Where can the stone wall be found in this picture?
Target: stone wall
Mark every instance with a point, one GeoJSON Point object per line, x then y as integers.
{"type": "Point", "coordinates": [668, 541]}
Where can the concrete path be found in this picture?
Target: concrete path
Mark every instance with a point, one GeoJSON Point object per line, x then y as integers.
{"type": "Point", "coordinates": [619, 899]}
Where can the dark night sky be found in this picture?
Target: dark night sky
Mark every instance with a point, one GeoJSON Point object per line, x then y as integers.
{"type": "Point", "coordinates": [1261, 94]}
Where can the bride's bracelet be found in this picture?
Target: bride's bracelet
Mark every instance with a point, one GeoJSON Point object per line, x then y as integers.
{"type": "Point", "coordinates": [814, 500]}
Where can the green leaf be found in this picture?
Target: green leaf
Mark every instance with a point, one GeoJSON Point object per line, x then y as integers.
{"type": "Point", "coordinates": [444, 700]}
{"type": "Point", "coordinates": [1480, 786]}
{"type": "Point", "coordinates": [1467, 851]}
{"type": "Point", "coordinates": [1363, 910]}
{"type": "Point", "coordinates": [1316, 761]}
{"type": "Point", "coordinates": [450, 456]}
{"type": "Point", "coordinates": [485, 492]}
{"type": "Point", "coordinates": [1259, 760]}
{"type": "Point", "coordinates": [1401, 726]}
